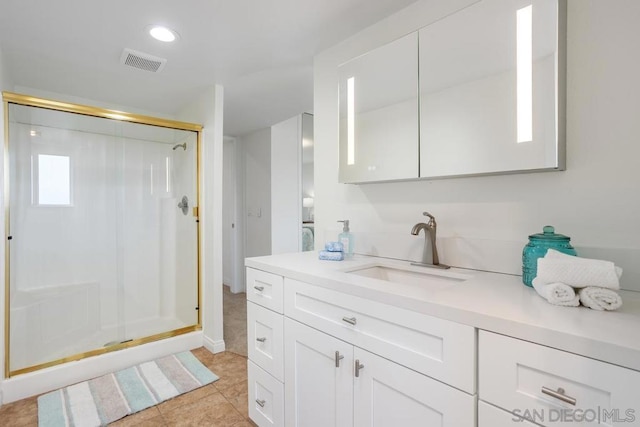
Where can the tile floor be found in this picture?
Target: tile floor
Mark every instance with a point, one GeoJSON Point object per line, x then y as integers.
{"type": "Point", "coordinates": [223, 403]}
{"type": "Point", "coordinates": [235, 321]}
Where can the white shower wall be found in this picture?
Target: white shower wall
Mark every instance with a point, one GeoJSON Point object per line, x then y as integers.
{"type": "Point", "coordinates": [118, 263]}
{"type": "Point", "coordinates": [184, 234]}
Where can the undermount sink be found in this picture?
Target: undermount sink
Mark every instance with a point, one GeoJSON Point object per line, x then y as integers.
{"type": "Point", "coordinates": [411, 275]}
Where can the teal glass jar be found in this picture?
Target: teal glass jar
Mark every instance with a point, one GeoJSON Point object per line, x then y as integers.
{"type": "Point", "coordinates": [537, 248]}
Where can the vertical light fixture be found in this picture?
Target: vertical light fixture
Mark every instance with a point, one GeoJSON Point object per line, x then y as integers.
{"type": "Point", "coordinates": [524, 74]}
{"type": "Point", "coordinates": [351, 117]}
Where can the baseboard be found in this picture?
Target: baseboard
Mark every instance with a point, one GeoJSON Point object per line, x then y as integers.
{"type": "Point", "coordinates": [58, 376]}
{"type": "Point", "coordinates": [213, 346]}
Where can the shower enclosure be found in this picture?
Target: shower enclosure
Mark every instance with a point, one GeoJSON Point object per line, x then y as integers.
{"type": "Point", "coordinates": [102, 231]}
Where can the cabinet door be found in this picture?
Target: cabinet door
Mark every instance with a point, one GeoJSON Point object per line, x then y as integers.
{"type": "Point", "coordinates": [388, 394]}
{"type": "Point", "coordinates": [318, 381]}
{"type": "Point", "coordinates": [379, 113]}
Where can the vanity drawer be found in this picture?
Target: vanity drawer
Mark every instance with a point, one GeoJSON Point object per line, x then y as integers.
{"type": "Point", "coordinates": [490, 416]}
{"type": "Point", "coordinates": [265, 339]}
{"type": "Point", "coordinates": [265, 397]}
{"type": "Point", "coordinates": [265, 289]}
{"type": "Point", "coordinates": [513, 374]}
{"type": "Point", "coordinates": [438, 348]}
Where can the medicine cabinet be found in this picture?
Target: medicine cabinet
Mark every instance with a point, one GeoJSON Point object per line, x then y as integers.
{"type": "Point", "coordinates": [489, 97]}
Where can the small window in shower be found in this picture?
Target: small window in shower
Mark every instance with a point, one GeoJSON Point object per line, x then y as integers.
{"type": "Point", "coordinates": [51, 180]}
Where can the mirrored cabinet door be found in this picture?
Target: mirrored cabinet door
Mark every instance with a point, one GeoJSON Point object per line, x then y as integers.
{"type": "Point", "coordinates": [379, 114]}
{"type": "Point", "coordinates": [492, 89]}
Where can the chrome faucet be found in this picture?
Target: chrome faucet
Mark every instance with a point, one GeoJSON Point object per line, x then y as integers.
{"type": "Point", "coordinates": [429, 243]}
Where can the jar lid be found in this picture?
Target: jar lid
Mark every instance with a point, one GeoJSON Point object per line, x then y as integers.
{"type": "Point", "coordinates": [548, 233]}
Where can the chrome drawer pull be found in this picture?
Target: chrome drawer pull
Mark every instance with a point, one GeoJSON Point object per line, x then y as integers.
{"type": "Point", "coordinates": [349, 320]}
{"type": "Point", "coordinates": [559, 394]}
{"type": "Point", "coordinates": [339, 357]}
{"type": "Point", "coordinates": [359, 366]}
{"type": "Point", "coordinates": [261, 339]}
{"type": "Point", "coordinates": [259, 288]}
{"type": "Point", "coordinates": [261, 402]}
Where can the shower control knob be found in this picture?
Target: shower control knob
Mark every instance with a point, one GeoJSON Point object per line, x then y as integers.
{"type": "Point", "coordinates": [184, 205]}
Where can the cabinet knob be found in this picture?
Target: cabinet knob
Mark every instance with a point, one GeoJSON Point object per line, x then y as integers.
{"type": "Point", "coordinates": [261, 339]}
{"type": "Point", "coordinates": [349, 320]}
{"type": "Point", "coordinates": [261, 402]}
{"type": "Point", "coordinates": [559, 394]}
{"type": "Point", "coordinates": [339, 357]}
{"type": "Point", "coordinates": [259, 288]}
{"type": "Point", "coordinates": [359, 367]}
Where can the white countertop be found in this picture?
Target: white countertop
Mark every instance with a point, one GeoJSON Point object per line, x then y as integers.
{"type": "Point", "coordinates": [494, 302]}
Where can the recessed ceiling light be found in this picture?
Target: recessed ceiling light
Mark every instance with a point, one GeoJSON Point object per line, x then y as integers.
{"type": "Point", "coordinates": [163, 34]}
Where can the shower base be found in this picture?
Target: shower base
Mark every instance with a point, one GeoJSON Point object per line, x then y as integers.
{"type": "Point", "coordinates": [37, 349]}
{"type": "Point", "coordinates": [38, 382]}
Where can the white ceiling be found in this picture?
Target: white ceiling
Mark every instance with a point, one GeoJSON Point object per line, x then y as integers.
{"type": "Point", "coordinates": [261, 51]}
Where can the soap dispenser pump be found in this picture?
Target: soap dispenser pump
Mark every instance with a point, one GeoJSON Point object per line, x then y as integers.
{"type": "Point", "coordinates": [346, 238]}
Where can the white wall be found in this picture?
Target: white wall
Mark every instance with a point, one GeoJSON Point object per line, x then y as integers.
{"type": "Point", "coordinates": [256, 149]}
{"type": "Point", "coordinates": [207, 109]}
{"type": "Point", "coordinates": [286, 182]}
{"type": "Point", "coordinates": [233, 207]}
{"type": "Point", "coordinates": [484, 221]}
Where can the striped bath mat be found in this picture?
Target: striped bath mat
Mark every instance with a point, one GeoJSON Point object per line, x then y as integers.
{"type": "Point", "coordinates": [108, 398]}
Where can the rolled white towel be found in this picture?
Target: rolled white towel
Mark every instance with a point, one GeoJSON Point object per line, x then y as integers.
{"type": "Point", "coordinates": [578, 272]}
{"type": "Point", "coordinates": [556, 293]}
{"type": "Point", "coordinates": [600, 298]}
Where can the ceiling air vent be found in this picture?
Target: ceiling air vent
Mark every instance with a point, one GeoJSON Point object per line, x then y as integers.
{"type": "Point", "coordinates": [142, 61]}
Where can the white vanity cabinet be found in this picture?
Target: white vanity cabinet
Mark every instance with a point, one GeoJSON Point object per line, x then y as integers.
{"type": "Point", "coordinates": [437, 348]}
{"type": "Point", "coordinates": [332, 383]}
{"type": "Point", "coordinates": [265, 347]}
{"type": "Point", "coordinates": [329, 348]}
{"type": "Point", "coordinates": [553, 387]}
{"type": "Point", "coordinates": [350, 361]}
{"type": "Point", "coordinates": [323, 356]}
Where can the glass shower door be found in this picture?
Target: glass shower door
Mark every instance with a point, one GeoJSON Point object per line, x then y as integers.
{"type": "Point", "coordinates": [158, 231]}
{"type": "Point", "coordinates": [100, 252]}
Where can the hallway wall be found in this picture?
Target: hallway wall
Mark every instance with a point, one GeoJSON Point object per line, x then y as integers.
{"type": "Point", "coordinates": [256, 148]}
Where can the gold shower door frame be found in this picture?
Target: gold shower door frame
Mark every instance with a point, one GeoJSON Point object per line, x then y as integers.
{"type": "Point", "coordinates": [26, 100]}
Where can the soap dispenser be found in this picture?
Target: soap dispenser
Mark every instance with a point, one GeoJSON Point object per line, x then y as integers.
{"type": "Point", "coordinates": [346, 238]}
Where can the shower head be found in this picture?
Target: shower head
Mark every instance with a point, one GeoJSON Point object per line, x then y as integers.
{"type": "Point", "coordinates": [183, 145]}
